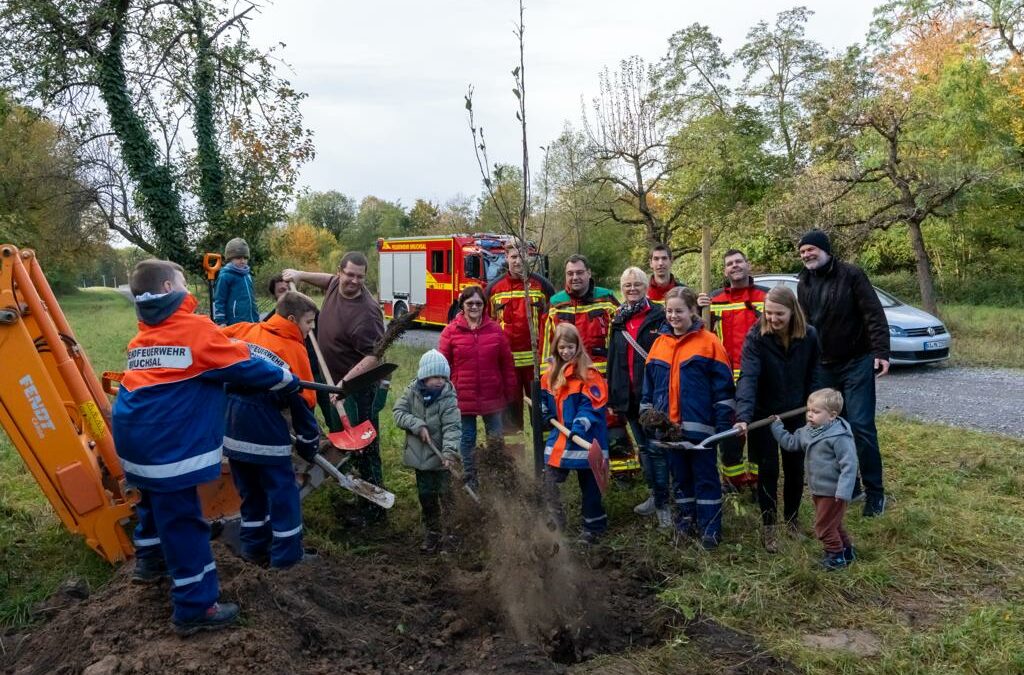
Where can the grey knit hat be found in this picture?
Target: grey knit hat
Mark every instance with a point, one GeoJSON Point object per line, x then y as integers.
{"type": "Point", "coordinates": [236, 248]}
{"type": "Point", "coordinates": [433, 364]}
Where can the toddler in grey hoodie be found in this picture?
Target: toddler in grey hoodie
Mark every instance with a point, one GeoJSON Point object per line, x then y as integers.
{"type": "Point", "coordinates": [830, 464]}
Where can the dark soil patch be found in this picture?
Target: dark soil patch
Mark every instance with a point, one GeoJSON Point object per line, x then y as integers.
{"type": "Point", "coordinates": [514, 597]}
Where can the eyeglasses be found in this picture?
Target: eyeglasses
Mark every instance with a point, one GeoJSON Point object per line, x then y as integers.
{"type": "Point", "coordinates": [472, 304]}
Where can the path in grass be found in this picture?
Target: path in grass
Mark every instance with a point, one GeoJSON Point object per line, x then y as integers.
{"type": "Point", "coordinates": [989, 399]}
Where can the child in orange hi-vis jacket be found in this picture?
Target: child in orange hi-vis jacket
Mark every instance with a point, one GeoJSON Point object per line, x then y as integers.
{"type": "Point", "coordinates": [258, 442]}
{"type": "Point", "coordinates": [688, 378]}
{"type": "Point", "coordinates": [168, 425]}
{"type": "Point", "coordinates": [575, 394]}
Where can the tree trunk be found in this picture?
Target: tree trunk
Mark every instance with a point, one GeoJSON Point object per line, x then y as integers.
{"type": "Point", "coordinates": [705, 268]}
{"type": "Point", "coordinates": [924, 271]}
{"type": "Point", "coordinates": [211, 171]}
{"type": "Point", "coordinates": [158, 197]}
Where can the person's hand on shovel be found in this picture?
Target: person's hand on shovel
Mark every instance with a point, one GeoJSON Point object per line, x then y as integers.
{"type": "Point", "coordinates": [424, 434]}
{"type": "Point", "coordinates": [742, 427]}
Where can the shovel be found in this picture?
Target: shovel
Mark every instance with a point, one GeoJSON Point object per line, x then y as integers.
{"type": "Point", "coordinates": [728, 433]}
{"type": "Point", "coordinates": [368, 491]}
{"type": "Point", "coordinates": [350, 437]}
{"type": "Point", "coordinates": [595, 455]}
{"type": "Point", "coordinates": [212, 262]}
{"type": "Point", "coordinates": [457, 472]}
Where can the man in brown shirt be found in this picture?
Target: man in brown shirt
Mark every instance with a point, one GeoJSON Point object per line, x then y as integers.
{"type": "Point", "coordinates": [349, 326]}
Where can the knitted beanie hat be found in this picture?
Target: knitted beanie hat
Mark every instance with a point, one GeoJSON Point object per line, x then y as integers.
{"type": "Point", "coordinates": [236, 248]}
{"type": "Point", "coordinates": [817, 238]}
{"type": "Point", "coordinates": [433, 364]}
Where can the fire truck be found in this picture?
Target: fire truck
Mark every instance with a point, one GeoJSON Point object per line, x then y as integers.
{"type": "Point", "coordinates": [432, 271]}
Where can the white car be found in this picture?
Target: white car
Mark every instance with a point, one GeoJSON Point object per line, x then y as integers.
{"type": "Point", "coordinates": [915, 336]}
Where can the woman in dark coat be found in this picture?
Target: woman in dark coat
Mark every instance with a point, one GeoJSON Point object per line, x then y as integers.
{"type": "Point", "coordinates": [640, 318]}
{"type": "Point", "coordinates": [483, 371]}
{"type": "Point", "coordinates": [779, 356]}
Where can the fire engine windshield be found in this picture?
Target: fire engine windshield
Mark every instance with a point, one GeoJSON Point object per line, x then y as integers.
{"type": "Point", "coordinates": [494, 265]}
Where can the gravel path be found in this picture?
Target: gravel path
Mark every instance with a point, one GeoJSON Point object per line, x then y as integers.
{"type": "Point", "coordinates": [989, 399]}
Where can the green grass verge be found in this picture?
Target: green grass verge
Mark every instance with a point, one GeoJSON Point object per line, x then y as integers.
{"type": "Point", "coordinates": [939, 582]}
{"type": "Point", "coordinates": [986, 336]}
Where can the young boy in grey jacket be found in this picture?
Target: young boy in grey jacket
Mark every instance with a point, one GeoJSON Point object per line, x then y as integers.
{"type": "Point", "coordinates": [830, 464]}
{"type": "Point", "coordinates": [428, 411]}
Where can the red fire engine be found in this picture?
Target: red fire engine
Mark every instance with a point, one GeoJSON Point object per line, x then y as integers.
{"type": "Point", "coordinates": [432, 271]}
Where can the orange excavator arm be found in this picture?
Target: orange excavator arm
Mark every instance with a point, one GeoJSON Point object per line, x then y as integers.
{"type": "Point", "coordinates": [53, 408]}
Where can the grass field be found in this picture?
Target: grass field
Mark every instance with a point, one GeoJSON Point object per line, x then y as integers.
{"type": "Point", "coordinates": [986, 336]}
{"type": "Point", "coordinates": [938, 587]}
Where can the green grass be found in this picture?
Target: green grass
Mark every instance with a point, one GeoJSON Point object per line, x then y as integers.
{"type": "Point", "coordinates": [986, 336]}
{"type": "Point", "coordinates": [940, 579]}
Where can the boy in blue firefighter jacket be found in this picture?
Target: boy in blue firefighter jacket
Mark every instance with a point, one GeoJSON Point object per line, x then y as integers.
{"type": "Point", "coordinates": [258, 442]}
{"type": "Point", "coordinates": [574, 393]}
{"type": "Point", "coordinates": [687, 396]}
{"type": "Point", "coordinates": [234, 300]}
{"type": "Point", "coordinates": [168, 426]}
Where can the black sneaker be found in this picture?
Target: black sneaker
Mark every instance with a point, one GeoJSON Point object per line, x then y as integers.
{"type": "Point", "coordinates": [874, 505]}
{"type": "Point", "coordinates": [850, 553]}
{"type": "Point", "coordinates": [833, 561]}
{"type": "Point", "coordinates": [431, 542]}
{"type": "Point", "coordinates": [219, 615]}
{"type": "Point", "coordinates": [149, 570]}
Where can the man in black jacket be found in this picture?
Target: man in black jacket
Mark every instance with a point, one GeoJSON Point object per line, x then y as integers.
{"type": "Point", "coordinates": [844, 308]}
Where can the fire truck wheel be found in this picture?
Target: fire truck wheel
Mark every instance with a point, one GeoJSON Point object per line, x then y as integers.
{"type": "Point", "coordinates": [399, 310]}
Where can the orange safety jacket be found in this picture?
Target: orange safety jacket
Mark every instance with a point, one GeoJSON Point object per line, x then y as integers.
{"type": "Point", "coordinates": [279, 341]}
{"type": "Point", "coordinates": [508, 307]}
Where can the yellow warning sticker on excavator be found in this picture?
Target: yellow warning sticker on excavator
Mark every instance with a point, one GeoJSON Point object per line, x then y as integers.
{"type": "Point", "coordinates": [94, 419]}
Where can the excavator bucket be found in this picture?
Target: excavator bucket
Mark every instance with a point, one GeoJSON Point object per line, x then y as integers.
{"type": "Point", "coordinates": [55, 411]}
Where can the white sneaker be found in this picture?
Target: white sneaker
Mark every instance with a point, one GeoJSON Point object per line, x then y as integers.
{"type": "Point", "coordinates": [645, 508]}
{"type": "Point", "coordinates": [664, 518]}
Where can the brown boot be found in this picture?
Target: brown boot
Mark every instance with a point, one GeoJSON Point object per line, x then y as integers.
{"type": "Point", "coordinates": [768, 536]}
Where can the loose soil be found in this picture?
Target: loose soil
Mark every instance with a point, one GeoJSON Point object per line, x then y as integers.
{"type": "Point", "coordinates": [512, 597]}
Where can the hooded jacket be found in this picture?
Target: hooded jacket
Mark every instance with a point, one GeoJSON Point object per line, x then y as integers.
{"type": "Point", "coordinates": [255, 429]}
{"type": "Point", "coordinates": [580, 406]}
{"type": "Point", "coordinates": [624, 391]}
{"type": "Point", "coordinates": [508, 307]}
{"type": "Point", "coordinates": [591, 314]}
{"type": "Point", "coordinates": [234, 299]}
{"type": "Point", "coordinates": [442, 420]}
{"type": "Point", "coordinates": [841, 304]}
{"type": "Point", "coordinates": [168, 417]}
{"type": "Point", "coordinates": [689, 378]}
{"type": "Point", "coordinates": [482, 368]}
{"type": "Point", "coordinates": [774, 379]}
{"type": "Point", "coordinates": [830, 463]}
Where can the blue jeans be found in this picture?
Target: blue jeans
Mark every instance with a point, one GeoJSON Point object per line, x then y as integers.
{"type": "Point", "coordinates": [855, 379]}
{"type": "Point", "coordinates": [467, 446]}
{"type": "Point", "coordinates": [654, 462]}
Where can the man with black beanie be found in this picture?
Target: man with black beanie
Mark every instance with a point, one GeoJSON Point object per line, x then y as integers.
{"type": "Point", "coordinates": [843, 307]}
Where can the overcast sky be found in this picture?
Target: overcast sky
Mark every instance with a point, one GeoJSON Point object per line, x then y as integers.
{"type": "Point", "coordinates": [386, 78]}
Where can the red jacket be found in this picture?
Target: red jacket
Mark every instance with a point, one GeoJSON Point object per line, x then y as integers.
{"type": "Point", "coordinates": [736, 310]}
{"type": "Point", "coordinates": [481, 362]}
{"type": "Point", "coordinates": [656, 293]}
{"type": "Point", "coordinates": [508, 308]}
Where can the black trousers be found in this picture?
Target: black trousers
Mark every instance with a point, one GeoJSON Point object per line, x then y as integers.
{"type": "Point", "coordinates": [762, 448]}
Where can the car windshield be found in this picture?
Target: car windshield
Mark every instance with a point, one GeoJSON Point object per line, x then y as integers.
{"type": "Point", "coordinates": [494, 265]}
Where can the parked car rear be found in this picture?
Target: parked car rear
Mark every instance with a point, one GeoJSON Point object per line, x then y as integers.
{"type": "Point", "coordinates": [915, 336]}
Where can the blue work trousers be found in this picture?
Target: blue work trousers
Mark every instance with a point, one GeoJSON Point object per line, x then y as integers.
{"type": "Point", "coordinates": [271, 514]}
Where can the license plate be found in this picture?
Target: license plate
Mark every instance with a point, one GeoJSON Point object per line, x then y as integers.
{"type": "Point", "coordinates": [935, 344]}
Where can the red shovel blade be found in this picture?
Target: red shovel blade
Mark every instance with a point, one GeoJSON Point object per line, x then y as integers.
{"type": "Point", "coordinates": [599, 465]}
{"type": "Point", "coordinates": [356, 438]}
